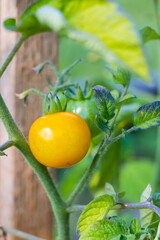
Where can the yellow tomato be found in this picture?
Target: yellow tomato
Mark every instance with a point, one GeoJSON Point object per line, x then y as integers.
{"type": "Point", "coordinates": [59, 140]}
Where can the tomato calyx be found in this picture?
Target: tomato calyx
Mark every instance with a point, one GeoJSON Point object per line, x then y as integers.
{"type": "Point", "coordinates": [53, 104]}
{"type": "Point", "coordinates": [79, 94]}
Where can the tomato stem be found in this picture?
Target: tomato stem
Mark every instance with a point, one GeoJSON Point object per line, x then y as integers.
{"type": "Point", "coordinates": [16, 137]}
{"type": "Point", "coordinates": [121, 206]}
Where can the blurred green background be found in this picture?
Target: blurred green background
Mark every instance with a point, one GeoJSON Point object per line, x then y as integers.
{"type": "Point", "coordinates": [130, 163]}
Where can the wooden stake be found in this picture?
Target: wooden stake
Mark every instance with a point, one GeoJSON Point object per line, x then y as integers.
{"type": "Point", "coordinates": [23, 203]}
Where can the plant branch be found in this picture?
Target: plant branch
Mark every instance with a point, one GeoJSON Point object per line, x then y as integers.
{"type": "Point", "coordinates": [142, 205]}
{"type": "Point", "coordinates": [120, 206]}
{"type": "Point", "coordinates": [20, 234]}
{"type": "Point", "coordinates": [12, 54]}
{"type": "Point", "coordinates": [89, 171]}
{"type": "Point", "coordinates": [121, 135]}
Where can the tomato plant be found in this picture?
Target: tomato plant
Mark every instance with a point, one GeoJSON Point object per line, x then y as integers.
{"type": "Point", "coordinates": [59, 140]}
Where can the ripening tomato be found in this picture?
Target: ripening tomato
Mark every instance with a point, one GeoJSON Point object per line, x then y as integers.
{"type": "Point", "coordinates": [59, 140]}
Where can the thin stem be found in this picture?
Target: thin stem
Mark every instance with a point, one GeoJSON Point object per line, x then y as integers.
{"type": "Point", "coordinates": [20, 234]}
{"type": "Point", "coordinates": [6, 145]}
{"type": "Point", "coordinates": [89, 172]}
{"type": "Point", "coordinates": [125, 89]}
{"type": "Point", "coordinates": [12, 54]}
{"type": "Point", "coordinates": [41, 171]}
{"type": "Point", "coordinates": [121, 135]}
{"type": "Point", "coordinates": [142, 205]}
{"type": "Point", "coordinates": [76, 208]}
{"type": "Point", "coordinates": [40, 68]}
{"type": "Point", "coordinates": [66, 71]}
{"type": "Point", "coordinates": [120, 206]}
{"type": "Point", "coordinates": [25, 94]}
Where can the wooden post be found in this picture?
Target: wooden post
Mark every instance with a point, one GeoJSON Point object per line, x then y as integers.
{"type": "Point", "coordinates": [23, 202]}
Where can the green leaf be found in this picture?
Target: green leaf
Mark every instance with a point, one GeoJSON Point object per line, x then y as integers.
{"type": "Point", "coordinates": [147, 116]}
{"type": "Point", "coordinates": [128, 237]}
{"type": "Point", "coordinates": [156, 199]}
{"type": "Point", "coordinates": [146, 193]}
{"type": "Point", "coordinates": [121, 223]}
{"type": "Point", "coordinates": [45, 18]}
{"type": "Point", "coordinates": [105, 102]}
{"type": "Point", "coordinates": [95, 210]}
{"type": "Point", "coordinates": [120, 75]}
{"type": "Point", "coordinates": [102, 124]}
{"type": "Point", "coordinates": [148, 34]}
{"type": "Point", "coordinates": [148, 216]}
{"type": "Point", "coordinates": [96, 24]}
{"type": "Point", "coordinates": [135, 226]}
{"type": "Point", "coordinates": [126, 99]}
{"type": "Point", "coordinates": [101, 229]}
{"type": "Point", "coordinates": [116, 237]}
{"type": "Point", "coordinates": [115, 95]}
{"type": "Point", "coordinates": [110, 190]}
{"type": "Point", "coordinates": [158, 233]}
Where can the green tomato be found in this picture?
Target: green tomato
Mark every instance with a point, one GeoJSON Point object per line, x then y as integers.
{"type": "Point", "coordinates": [87, 109]}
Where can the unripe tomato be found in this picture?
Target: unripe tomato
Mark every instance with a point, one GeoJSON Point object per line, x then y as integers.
{"type": "Point", "coordinates": [59, 140]}
{"type": "Point", "coordinates": [87, 109]}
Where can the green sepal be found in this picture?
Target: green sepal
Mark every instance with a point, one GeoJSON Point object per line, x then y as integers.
{"type": "Point", "coordinates": [41, 66]}
{"type": "Point", "coordinates": [120, 75]}
{"type": "Point", "coordinates": [148, 34]}
{"type": "Point", "coordinates": [147, 116]}
{"type": "Point", "coordinates": [106, 104]}
{"type": "Point", "coordinates": [2, 153]}
{"type": "Point", "coordinates": [53, 104]}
